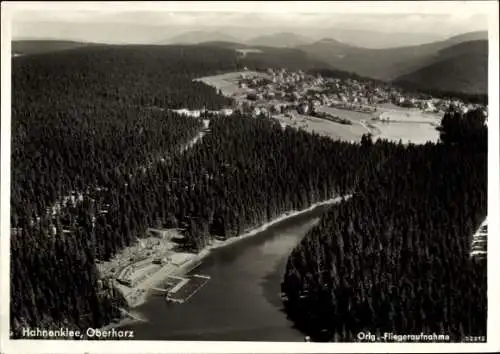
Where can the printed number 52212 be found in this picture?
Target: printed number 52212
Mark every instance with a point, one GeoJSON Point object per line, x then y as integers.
{"type": "Point", "coordinates": [474, 339]}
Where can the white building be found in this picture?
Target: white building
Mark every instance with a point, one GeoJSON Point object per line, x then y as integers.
{"type": "Point", "coordinates": [226, 111]}
{"type": "Point", "coordinates": [187, 112]}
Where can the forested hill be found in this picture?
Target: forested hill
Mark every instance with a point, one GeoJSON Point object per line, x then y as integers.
{"type": "Point", "coordinates": [221, 186]}
{"type": "Point", "coordinates": [142, 75]}
{"type": "Point", "coordinates": [79, 114]}
{"type": "Point", "coordinates": [461, 68]}
{"type": "Point", "coordinates": [395, 257]}
{"type": "Point", "coordinates": [263, 57]}
{"type": "Point", "coordinates": [82, 125]}
{"type": "Point", "coordinates": [391, 63]}
{"type": "Point", "coordinates": [35, 46]}
{"type": "Point", "coordinates": [94, 164]}
{"type": "Point", "coordinates": [63, 160]}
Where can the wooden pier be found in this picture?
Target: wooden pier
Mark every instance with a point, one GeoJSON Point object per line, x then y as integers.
{"type": "Point", "coordinates": [196, 281]}
{"type": "Point", "coordinates": [160, 289]}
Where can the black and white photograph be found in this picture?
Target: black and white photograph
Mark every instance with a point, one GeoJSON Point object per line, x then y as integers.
{"type": "Point", "coordinates": [295, 173]}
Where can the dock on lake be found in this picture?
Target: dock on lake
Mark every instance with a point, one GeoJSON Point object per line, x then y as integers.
{"type": "Point", "coordinates": [187, 288]}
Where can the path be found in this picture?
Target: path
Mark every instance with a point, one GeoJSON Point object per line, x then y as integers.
{"type": "Point", "coordinates": [77, 196]}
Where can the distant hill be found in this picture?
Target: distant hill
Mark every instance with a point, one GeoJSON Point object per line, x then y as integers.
{"type": "Point", "coordinates": [26, 47]}
{"type": "Point", "coordinates": [223, 44]}
{"type": "Point", "coordinates": [268, 57]}
{"type": "Point", "coordinates": [470, 36]}
{"type": "Point", "coordinates": [461, 68]}
{"type": "Point", "coordinates": [195, 37]}
{"type": "Point", "coordinates": [376, 40]}
{"type": "Point", "coordinates": [283, 39]}
{"type": "Point", "coordinates": [384, 64]}
{"type": "Point", "coordinates": [290, 58]}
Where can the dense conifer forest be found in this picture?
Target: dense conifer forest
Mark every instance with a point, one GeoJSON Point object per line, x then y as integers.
{"type": "Point", "coordinates": [82, 124]}
{"type": "Point", "coordinates": [95, 163]}
{"type": "Point", "coordinates": [220, 187]}
{"type": "Point", "coordinates": [243, 173]}
{"type": "Point", "coordinates": [395, 257]}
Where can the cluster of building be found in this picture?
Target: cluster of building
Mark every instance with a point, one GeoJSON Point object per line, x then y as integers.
{"type": "Point", "coordinates": [282, 91]}
{"type": "Point", "coordinates": [436, 104]}
{"type": "Point", "coordinates": [154, 249]}
{"type": "Point", "coordinates": [276, 90]}
{"type": "Point", "coordinates": [196, 113]}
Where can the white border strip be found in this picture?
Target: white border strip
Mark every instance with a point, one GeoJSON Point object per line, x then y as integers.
{"type": "Point", "coordinates": [41, 346]}
{"type": "Point", "coordinates": [493, 180]}
{"type": "Point", "coordinates": [366, 7]}
{"type": "Point", "coordinates": [5, 182]}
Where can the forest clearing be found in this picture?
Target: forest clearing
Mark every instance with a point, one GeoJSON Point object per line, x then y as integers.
{"type": "Point", "coordinates": [390, 122]}
{"type": "Point", "coordinates": [335, 131]}
{"type": "Point", "coordinates": [415, 133]}
{"type": "Point", "coordinates": [408, 125]}
{"type": "Point", "coordinates": [228, 82]}
{"type": "Point", "coordinates": [353, 116]}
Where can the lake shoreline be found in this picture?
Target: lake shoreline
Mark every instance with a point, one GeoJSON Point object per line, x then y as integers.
{"type": "Point", "coordinates": [197, 258]}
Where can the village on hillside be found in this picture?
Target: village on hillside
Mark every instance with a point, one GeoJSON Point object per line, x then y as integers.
{"type": "Point", "coordinates": [276, 90]}
{"type": "Point", "coordinates": [312, 102]}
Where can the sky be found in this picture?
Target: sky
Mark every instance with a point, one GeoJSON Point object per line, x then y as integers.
{"type": "Point", "coordinates": [151, 22]}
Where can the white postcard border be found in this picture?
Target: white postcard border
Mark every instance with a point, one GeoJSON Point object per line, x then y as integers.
{"type": "Point", "coordinates": [47, 346]}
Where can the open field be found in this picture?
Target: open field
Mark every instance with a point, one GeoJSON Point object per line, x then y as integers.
{"type": "Point", "coordinates": [228, 82]}
{"type": "Point", "coordinates": [391, 122]}
{"type": "Point", "coordinates": [324, 127]}
{"type": "Point", "coordinates": [413, 113]}
{"type": "Point", "coordinates": [347, 114]}
{"type": "Point", "coordinates": [384, 111]}
{"type": "Point", "coordinates": [411, 116]}
{"type": "Point", "coordinates": [408, 125]}
{"type": "Point", "coordinates": [416, 133]}
{"type": "Point", "coordinates": [412, 125]}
